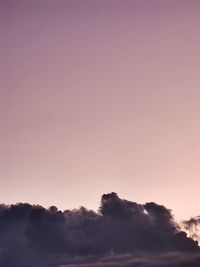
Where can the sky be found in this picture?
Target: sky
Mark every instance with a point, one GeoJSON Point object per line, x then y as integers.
{"type": "Point", "coordinates": [100, 96]}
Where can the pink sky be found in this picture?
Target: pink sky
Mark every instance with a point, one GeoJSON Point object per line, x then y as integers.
{"type": "Point", "coordinates": [100, 96]}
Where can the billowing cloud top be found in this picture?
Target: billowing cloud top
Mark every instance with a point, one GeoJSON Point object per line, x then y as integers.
{"type": "Point", "coordinates": [122, 233]}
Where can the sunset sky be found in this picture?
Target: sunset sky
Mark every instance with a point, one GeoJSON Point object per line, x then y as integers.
{"type": "Point", "coordinates": [100, 96]}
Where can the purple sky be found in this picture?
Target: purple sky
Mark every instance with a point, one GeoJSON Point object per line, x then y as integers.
{"type": "Point", "coordinates": [100, 96]}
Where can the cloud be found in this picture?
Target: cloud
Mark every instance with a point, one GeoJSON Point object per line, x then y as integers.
{"type": "Point", "coordinates": [121, 233]}
{"type": "Point", "coordinates": [177, 259]}
{"type": "Point", "coordinates": [192, 226]}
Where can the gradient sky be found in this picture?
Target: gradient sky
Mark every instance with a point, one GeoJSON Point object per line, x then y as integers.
{"type": "Point", "coordinates": [100, 96]}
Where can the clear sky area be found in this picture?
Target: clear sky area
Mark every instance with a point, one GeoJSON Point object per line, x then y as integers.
{"type": "Point", "coordinates": [100, 96]}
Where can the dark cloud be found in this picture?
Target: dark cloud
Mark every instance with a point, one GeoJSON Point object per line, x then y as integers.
{"type": "Point", "coordinates": [173, 259]}
{"type": "Point", "coordinates": [192, 226]}
{"type": "Point", "coordinates": [121, 233]}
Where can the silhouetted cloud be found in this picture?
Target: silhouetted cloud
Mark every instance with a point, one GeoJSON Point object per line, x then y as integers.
{"type": "Point", "coordinates": [192, 226]}
{"type": "Point", "coordinates": [121, 233]}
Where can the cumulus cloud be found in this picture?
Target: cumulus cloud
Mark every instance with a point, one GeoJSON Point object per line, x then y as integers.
{"type": "Point", "coordinates": [192, 226]}
{"type": "Point", "coordinates": [121, 233]}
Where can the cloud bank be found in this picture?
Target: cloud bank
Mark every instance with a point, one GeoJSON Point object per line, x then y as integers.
{"type": "Point", "coordinates": [122, 233]}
